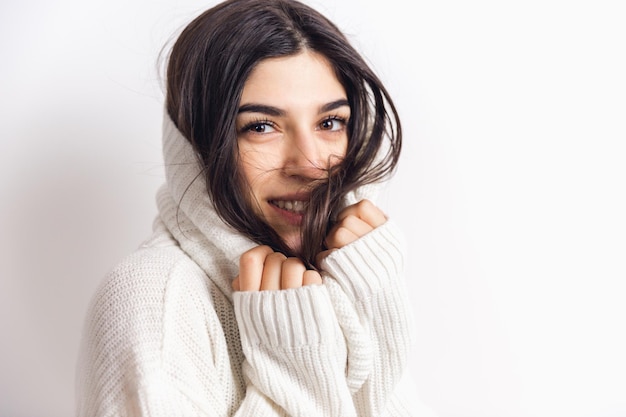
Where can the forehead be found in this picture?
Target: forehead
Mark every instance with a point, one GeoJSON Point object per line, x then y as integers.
{"type": "Point", "coordinates": [307, 76]}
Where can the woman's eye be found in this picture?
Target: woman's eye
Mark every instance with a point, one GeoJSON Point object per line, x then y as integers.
{"type": "Point", "coordinates": [332, 124]}
{"type": "Point", "coordinates": [262, 127]}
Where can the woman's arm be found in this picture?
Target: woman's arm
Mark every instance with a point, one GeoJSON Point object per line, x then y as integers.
{"type": "Point", "coordinates": [295, 353]}
{"type": "Point", "coordinates": [364, 268]}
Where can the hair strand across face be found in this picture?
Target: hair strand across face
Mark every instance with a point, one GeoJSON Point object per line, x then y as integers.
{"type": "Point", "coordinates": [208, 67]}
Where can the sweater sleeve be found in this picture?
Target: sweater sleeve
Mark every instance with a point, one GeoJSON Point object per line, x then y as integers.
{"type": "Point", "coordinates": [368, 275]}
{"type": "Point", "coordinates": [295, 354]}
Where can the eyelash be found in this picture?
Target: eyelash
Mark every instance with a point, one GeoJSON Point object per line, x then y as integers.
{"type": "Point", "coordinates": [258, 122]}
{"type": "Point", "coordinates": [336, 118]}
{"type": "Point", "coordinates": [249, 126]}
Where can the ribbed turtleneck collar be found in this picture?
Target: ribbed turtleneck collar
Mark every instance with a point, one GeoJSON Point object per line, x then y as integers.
{"type": "Point", "coordinates": [190, 216]}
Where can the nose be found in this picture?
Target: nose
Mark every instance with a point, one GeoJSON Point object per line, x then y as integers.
{"type": "Point", "coordinates": [304, 155]}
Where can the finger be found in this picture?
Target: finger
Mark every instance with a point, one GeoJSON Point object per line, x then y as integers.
{"type": "Point", "coordinates": [235, 284]}
{"type": "Point", "coordinates": [311, 277]}
{"type": "Point", "coordinates": [292, 272]}
{"type": "Point", "coordinates": [272, 271]}
{"type": "Point", "coordinates": [366, 211]}
{"type": "Point", "coordinates": [251, 268]}
{"type": "Point", "coordinates": [356, 225]}
{"type": "Point", "coordinates": [340, 237]}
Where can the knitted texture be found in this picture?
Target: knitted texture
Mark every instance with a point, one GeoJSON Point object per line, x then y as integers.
{"type": "Point", "coordinates": [166, 336]}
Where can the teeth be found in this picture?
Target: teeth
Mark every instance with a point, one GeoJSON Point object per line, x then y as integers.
{"type": "Point", "coordinates": [295, 206]}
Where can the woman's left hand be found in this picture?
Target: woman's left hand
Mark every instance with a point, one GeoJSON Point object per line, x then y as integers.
{"type": "Point", "coordinates": [353, 222]}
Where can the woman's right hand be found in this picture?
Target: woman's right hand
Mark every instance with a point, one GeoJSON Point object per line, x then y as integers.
{"type": "Point", "coordinates": [262, 269]}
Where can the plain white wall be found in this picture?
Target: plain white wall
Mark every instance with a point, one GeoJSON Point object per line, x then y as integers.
{"type": "Point", "coordinates": [512, 188]}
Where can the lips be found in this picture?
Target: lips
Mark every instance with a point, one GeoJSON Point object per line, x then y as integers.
{"type": "Point", "coordinates": [290, 210]}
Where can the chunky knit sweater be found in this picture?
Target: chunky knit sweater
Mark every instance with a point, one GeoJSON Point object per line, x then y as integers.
{"type": "Point", "coordinates": [166, 336]}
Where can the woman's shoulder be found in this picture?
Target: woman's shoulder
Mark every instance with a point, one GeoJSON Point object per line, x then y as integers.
{"type": "Point", "coordinates": [147, 271]}
{"type": "Point", "coordinates": [147, 320]}
{"type": "Point", "coordinates": [144, 289]}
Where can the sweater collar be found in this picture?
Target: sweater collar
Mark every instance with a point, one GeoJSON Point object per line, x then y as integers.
{"type": "Point", "coordinates": [190, 216]}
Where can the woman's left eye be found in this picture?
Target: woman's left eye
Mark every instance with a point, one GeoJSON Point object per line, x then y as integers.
{"type": "Point", "coordinates": [333, 124]}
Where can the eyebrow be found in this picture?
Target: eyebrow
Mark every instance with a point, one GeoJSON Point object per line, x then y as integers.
{"type": "Point", "coordinates": [334, 105]}
{"type": "Point", "coordinates": [276, 112]}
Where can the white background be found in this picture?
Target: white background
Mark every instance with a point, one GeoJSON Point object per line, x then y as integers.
{"type": "Point", "coordinates": [511, 188]}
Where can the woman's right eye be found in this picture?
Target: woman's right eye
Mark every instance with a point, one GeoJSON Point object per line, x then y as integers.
{"type": "Point", "coordinates": [259, 127]}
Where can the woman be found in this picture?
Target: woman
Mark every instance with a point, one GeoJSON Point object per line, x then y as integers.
{"type": "Point", "coordinates": [272, 285]}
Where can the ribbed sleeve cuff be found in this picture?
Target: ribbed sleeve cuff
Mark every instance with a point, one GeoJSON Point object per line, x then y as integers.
{"type": "Point", "coordinates": [369, 263]}
{"type": "Point", "coordinates": [286, 318]}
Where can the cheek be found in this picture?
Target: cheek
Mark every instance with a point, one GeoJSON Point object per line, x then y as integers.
{"type": "Point", "coordinates": [256, 165]}
{"type": "Point", "coordinates": [252, 160]}
{"type": "Point", "coordinates": [337, 151]}
{"type": "Point", "coordinates": [250, 178]}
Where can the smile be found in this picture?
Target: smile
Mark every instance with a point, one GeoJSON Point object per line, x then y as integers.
{"type": "Point", "coordinates": [294, 206]}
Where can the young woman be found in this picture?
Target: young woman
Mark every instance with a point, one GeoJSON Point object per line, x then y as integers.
{"type": "Point", "coordinates": [272, 286]}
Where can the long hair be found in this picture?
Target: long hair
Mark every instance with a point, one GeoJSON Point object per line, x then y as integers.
{"type": "Point", "coordinates": [208, 66]}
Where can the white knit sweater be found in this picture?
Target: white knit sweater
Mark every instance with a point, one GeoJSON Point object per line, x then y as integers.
{"type": "Point", "coordinates": [166, 336]}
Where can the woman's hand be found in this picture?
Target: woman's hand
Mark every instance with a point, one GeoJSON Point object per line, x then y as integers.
{"type": "Point", "coordinates": [262, 269]}
{"type": "Point", "coordinates": [353, 222]}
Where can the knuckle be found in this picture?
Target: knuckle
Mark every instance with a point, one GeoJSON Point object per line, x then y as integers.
{"type": "Point", "coordinates": [255, 254]}
{"type": "Point", "coordinates": [247, 259]}
{"type": "Point", "coordinates": [275, 256]}
{"type": "Point", "coordinates": [342, 234]}
{"type": "Point", "coordinates": [365, 203]}
{"type": "Point", "coordinates": [349, 221]}
{"type": "Point", "coordinates": [293, 263]}
{"type": "Point", "coordinates": [364, 206]}
{"type": "Point", "coordinates": [338, 238]}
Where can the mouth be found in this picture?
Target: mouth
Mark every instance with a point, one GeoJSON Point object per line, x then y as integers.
{"type": "Point", "coordinates": [292, 206]}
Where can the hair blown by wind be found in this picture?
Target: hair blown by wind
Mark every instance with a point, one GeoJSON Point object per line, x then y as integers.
{"type": "Point", "coordinates": [207, 69]}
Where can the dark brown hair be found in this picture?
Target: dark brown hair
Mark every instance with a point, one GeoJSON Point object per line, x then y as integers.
{"type": "Point", "coordinates": [208, 66]}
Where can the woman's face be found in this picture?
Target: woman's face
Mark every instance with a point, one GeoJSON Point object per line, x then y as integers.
{"type": "Point", "coordinates": [291, 127]}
